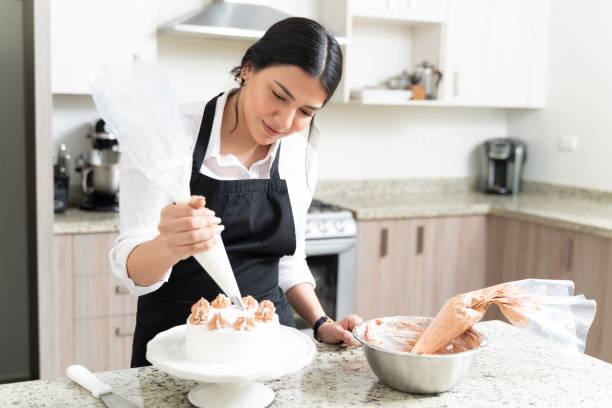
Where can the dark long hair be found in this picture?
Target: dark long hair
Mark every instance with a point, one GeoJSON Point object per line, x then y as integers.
{"type": "Point", "coordinates": [301, 42]}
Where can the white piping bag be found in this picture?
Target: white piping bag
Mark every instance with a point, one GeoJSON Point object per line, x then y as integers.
{"type": "Point", "coordinates": [137, 103]}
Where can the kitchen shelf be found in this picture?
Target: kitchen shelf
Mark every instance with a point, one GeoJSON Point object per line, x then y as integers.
{"type": "Point", "coordinates": [442, 104]}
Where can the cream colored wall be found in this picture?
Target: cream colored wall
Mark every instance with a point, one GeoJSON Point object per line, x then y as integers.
{"type": "Point", "coordinates": [578, 101]}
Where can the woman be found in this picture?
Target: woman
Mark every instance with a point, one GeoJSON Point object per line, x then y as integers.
{"type": "Point", "coordinates": [242, 174]}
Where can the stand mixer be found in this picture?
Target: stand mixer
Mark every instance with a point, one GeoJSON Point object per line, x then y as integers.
{"type": "Point", "coordinates": [99, 170]}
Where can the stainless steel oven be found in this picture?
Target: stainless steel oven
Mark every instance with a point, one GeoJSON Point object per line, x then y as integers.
{"type": "Point", "coordinates": [331, 256]}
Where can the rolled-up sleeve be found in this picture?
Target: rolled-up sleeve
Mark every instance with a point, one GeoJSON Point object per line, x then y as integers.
{"type": "Point", "coordinates": [293, 269]}
{"type": "Point", "coordinates": [141, 203]}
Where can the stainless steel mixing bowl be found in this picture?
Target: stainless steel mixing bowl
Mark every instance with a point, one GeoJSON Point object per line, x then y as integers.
{"type": "Point", "coordinates": [417, 373]}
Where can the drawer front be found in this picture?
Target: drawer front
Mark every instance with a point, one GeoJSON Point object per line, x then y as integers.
{"type": "Point", "coordinates": [104, 344]}
{"type": "Point", "coordinates": [90, 253]}
{"type": "Point", "coordinates": [101, 296]}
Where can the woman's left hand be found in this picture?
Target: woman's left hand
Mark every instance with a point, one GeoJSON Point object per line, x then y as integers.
{"type": "Point", "coordinates": [340, 331]}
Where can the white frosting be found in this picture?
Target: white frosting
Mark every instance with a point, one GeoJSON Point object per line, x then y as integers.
{"type": "Point", "coordinates": [228, 344]}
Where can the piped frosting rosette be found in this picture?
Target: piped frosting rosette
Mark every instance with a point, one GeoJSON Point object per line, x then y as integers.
{"type": "Point", "coordinates": [265, 311]}
{"type": "Point", "coordinates": [220, 314]}
{"type": "Point", "coordinates": [199, 312]}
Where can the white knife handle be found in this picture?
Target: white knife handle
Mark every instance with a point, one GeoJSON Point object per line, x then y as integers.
{"type": "Point", "coordinates": [87, 380]}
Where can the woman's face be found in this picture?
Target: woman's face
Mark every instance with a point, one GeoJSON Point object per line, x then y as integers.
{"type": "Point", "coordinates": [278, 101]}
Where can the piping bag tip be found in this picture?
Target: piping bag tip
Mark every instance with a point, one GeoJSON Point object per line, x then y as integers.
{"type": "Point", "coordinates": [237, 301]}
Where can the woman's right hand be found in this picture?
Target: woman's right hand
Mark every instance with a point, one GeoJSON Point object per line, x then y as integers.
{"type": "Point", "coordinates": [188, 229]}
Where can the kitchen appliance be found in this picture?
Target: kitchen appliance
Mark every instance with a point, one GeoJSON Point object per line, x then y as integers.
{"type": "Point", "coordinates": [331, 256]}
{"type": "Point", "coordinates": [99, 170]}
{"type": "Point", "coordinates": [61, 180]}
{"type": "Point", "coordinates": [417, 373]}
{"type": "Point", "coordinates": [428, 76]}
{"type": "Point", "coordinates": [502, 162]}
{"type": "Point", "coordinates": [230, 17]}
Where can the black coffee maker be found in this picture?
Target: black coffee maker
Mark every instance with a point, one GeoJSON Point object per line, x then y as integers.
{"type": "Point", "coordinates": [502, 163]}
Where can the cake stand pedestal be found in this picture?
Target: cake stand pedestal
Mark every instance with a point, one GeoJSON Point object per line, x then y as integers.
{"type": "Point", "coordinates": [229, 385]}
{"type": "Point", "coordinates": [239, 395]}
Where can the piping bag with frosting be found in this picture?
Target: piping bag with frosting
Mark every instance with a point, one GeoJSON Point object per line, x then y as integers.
{"type": "Point", "coordinates": [138, 104]}
{"type": "Point", "coordinates": [544, 306]}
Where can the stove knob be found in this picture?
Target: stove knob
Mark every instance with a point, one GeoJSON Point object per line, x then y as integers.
{"type": "Point", "coordinates": [339, 226]}
{"type": "Point", "coordinates": [308, 229]}
{"type": "Point", "coordinates": [322, 227]}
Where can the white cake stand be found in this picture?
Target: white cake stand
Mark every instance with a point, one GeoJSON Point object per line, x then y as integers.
{"type": "Point", "coordinates": [230, 385]}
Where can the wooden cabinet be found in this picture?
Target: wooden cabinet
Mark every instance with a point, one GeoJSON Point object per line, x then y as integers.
{"type": "Point", "coordinates": [104, 344]}
{"type": "Point", "coordinates": [605, 310]}
{"type": "Point", "coordinates": [388, 280]}
{"type": "Point", "coordinates": [95, 315]}
{"type": "Point", "coordinates": [55, 308]}
{"type": "Point", "coordinates": [412, 266]}
{"type": "Point", "coordinates": [88, 33]}
{"type": "Point", "coordinates": [520, 249]}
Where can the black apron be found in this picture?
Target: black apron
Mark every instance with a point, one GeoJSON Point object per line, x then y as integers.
{"type": "Point", "coordinates": [259, 230]}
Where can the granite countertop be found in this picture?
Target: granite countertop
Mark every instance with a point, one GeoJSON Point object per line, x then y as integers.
{"type": "Point", "coordinates": [557, 206]}
{"type": "Point", "coordinates": [76, 221]}
{"type": "Point", "coordinates": [572, 213]}
{"type": "Point", "coordinates": [588, 211]}
{"type": "Point", "coordinates": [516, 369]}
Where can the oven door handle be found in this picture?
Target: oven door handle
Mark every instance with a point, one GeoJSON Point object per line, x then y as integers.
{"type": "Point", "coordinates": [331, 246]}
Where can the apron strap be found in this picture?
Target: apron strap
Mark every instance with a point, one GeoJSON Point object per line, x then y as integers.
{"type": "Point", "coordinates": [204, 135]}
{"type": "Point", "coordinates": [274, 169]}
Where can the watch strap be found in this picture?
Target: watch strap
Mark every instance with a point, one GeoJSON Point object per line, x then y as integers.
{"type": "Point", "coordinates": [318, 323]}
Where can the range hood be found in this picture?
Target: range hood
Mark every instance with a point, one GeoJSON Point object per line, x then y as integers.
{"type": "Point", "coordinates": [229, 19]}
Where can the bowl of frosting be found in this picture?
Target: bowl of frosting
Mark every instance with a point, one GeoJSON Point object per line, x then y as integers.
{"type": "Point", "coordinates": [387, 344]}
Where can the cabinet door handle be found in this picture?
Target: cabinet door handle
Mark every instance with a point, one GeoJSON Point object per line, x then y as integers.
{"type": "Point", "coordinates": [569, 254]}
{"type": "Point", "coordinates": [124, 332]}
{"type": "Point", "coordinates": [121, 290]}
{"type": "Point", "coordinates": [419, 239]}
{"type": "Point", "coordinates": [384, 238]}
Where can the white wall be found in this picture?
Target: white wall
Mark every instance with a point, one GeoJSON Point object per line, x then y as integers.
{"type": "Point", "coordinates": [578, 101]}
{"type": "Point", "coordinates": [371, 142]}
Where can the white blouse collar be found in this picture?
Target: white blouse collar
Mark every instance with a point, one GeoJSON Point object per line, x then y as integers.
{"type": "Point", "coordinates": [214, 143]}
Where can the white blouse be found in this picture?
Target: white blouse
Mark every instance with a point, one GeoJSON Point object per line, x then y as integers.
{"type": "Point", "coordinates": [142, 201]}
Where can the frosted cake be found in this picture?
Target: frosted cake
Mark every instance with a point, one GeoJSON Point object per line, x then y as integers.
{"type": "Point", "coordinates": [221, 332]}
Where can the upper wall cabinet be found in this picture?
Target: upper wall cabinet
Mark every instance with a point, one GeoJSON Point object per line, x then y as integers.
{"type": "Point", "coordinates": [388, 39]}
{"type": "Point", "coordinates": [492, 53]}
{"type": "Point", "coordinates": [496, 53]}
{"type": "Point", "coordinates": [401, 10]}
{"type": "Point", "coordinates": [88, 33]}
